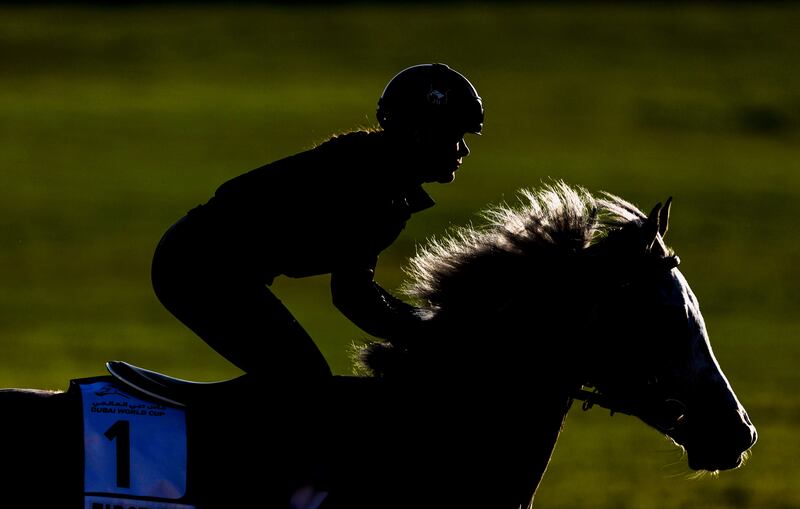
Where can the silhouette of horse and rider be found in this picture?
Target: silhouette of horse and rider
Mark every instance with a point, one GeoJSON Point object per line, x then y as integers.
{"type": "Point", "coordinates": [460, 399]}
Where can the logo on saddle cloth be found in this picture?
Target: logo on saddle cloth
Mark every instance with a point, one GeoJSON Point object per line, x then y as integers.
{"type": "Point", "coordinates": [134, 450]}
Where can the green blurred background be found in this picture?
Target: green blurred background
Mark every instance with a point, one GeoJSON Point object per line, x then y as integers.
{"type": "Point", "coordinates": [114, 122]}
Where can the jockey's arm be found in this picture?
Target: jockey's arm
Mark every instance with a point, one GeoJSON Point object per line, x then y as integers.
{"type": "Point", "coordinates": [374, 310]}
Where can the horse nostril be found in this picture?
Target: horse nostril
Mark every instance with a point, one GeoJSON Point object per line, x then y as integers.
{"type": "Point", "coordinates": [746, 437]}
{"type": "Point", "coordinates": [743, 414]}
{"type": "Point", "coordinates": [753, 436]}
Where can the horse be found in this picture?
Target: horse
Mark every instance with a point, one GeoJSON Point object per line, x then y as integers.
{"type": "Point", "coordinates": [563, 296]}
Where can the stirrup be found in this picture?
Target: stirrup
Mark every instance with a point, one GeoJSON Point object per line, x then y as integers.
{"type": "Point", "coordinates": [170, 390]}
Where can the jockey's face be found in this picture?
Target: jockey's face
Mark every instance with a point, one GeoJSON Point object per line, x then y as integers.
{"type": "Point", "coordinates": [437, 155]}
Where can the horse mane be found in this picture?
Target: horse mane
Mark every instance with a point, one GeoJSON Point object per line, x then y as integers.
{"type": "Point", "coordinates": [473, 264]}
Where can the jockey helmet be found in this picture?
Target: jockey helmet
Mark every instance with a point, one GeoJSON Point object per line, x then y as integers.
{"type": "Point", "coordinates": [430, 94]}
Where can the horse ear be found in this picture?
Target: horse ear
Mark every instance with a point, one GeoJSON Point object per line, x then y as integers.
{"type": "Point", "coordinates": [663, 218]}
{"type": "Point", "coordinates": [650, 229]}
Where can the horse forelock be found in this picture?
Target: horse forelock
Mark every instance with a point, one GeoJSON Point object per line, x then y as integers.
{"type": "Point", "coordinates": [555, 220]}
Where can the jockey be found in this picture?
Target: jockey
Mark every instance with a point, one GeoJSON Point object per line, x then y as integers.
{"type": "Point", "coordinates": [328, 210]}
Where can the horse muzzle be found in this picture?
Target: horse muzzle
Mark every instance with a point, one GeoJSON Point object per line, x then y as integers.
{"type": "Point", "coordinates": [721, 448]}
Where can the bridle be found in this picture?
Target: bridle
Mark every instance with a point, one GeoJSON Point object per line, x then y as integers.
{"type": "Point", "coordinates": [643, 406]}
{"type": "Point", "coordinates": [650, 401]}
{"type": "Point", "coordinates": [593, 397]}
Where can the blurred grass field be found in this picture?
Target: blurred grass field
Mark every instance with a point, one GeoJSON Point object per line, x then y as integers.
{"type": "Point", "coordinates": [114, 122]}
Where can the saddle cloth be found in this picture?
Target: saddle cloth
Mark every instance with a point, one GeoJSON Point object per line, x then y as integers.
{"type": "Point", "coordinates": [135, 450]}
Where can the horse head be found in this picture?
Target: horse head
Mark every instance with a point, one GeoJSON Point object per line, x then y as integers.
{"type": "Point", "coordinates": [570, 290]}
{"type": "Point", "coordinates": [650, 355]}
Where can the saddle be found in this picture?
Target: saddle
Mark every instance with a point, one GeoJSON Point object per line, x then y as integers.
{"type": "Point", "coordinates": [171, 390]}
{"type": "Point", "coordinates": [181, 393]}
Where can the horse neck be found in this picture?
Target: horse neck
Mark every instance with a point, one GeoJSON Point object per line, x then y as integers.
{"type": "Point", "coordinates": [513, 420]}
{"type": "Point", "coordinates": [546, 425]}
{"type": "Point", "coordinates": [520, 426]}
{"type": "Point", "coordinates": [511, 407]}
{"type": "Point", "coordinates": [536, 396]}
